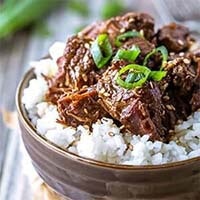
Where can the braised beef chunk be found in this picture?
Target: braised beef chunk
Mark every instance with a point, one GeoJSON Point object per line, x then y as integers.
{"type": "Point", "coordinates": [80, 108]}
{"type": "Point", "coordinates": [144, 115]}
{"type": "Point", "coordinates": [118, 25]}
{"type": "Point", "coordinates": [195, 101]}
{"type": "Point", "coordinates": [178, 89]}
{"type": "Point", "coordinates": [78, 63]}
{"type": "Point", "coordinates": [182, 74]}
{"type": "Point", "coordinates": [144, 45]}
{"type": "Point", "coordinates": [175, 37]}
{"type": "Point", "coordinates": [84, 93]}
{"type": "Point", "coordinates": [139, 111]}
{"type": "Point", "coordinates": [76, 68]}
{"type": "Point", "coordinates": [155, 108]}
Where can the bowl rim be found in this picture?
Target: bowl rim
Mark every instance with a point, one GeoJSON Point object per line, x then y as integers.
{"type": "Point", "coordinates": [22, 116]}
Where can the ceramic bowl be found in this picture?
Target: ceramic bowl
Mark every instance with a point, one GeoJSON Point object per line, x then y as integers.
{"type": "Point", "coordinates": [79, 178]}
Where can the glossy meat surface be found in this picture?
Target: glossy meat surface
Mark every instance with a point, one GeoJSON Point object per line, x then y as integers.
{"type": "Point", "coordinates": [84, 93]}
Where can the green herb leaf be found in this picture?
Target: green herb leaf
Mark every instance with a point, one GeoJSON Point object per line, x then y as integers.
{"type": "Point", "coordinates": [7, 4]}
{"type": "Point", "coordinates": [124, 36]}
{"type": "Point", "coordinates": [129, 55]}
{"type": "Point", "coordinates": [164, 53]}
{"type": "Point", "coordinates": [112, 8]}
{"type": "Point", "coordinates": [134, 77]}
{"type": "Point", "coordinates": [101, 50]}
{"type": "Point", "coordinates": [140, 78]}
{"type": "Point", "coordinates": [157, 75]}
{"type": "Point", "coordinates": [23, 13]}
{"type": "Point", "coordinates": [79, 6]}
{"type": "Point", "coordinates": [43, 30]}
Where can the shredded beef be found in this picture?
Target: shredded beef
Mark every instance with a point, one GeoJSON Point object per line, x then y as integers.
{"type": "Point", "coordinates": [139, 111]}
{"type": "Point", "coordinates": [195, 101]}
{"type": "Point", "coordinates": [118, 25]}
{"type": "Point", "coordinates": [80, 108]}
{"type": "Point", "coordinates": [75, 68]}
{"type": "Point", "coordinates": [84, 93]}
{"type": "Point", "coordinates": [144, 45]}
{"type": "Point", "coordinates": [175, 37]}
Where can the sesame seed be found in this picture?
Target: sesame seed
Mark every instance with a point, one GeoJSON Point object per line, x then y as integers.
{"type": "Point", "coordinates": [173, 108]}
{"type": "Point", "coordinates": [87, 46]}
{"type": "Point", "coordinates": [186, 61]}
{"type": "Point", "coordinates": [111, 134]}
{"type": "Point", "coordinates": [170, 107]}
{"type": "Point", "coordinates": [181, 54]}
{"type": "Point", "coordinates": [122, 30]}
{"type": "Point", "coordinates": [180, 42]}
{"type": "Point", "coordinates": [80, 34]}
{"type": "Point", "coordinates": [151, 85]}
{"type": "Point", "coordinates": [106, 94]}
{"type": "Point", "coordinates": [85, 78]}
{"type": "Point", "coordinates": [166, 98]}
{"type": "Point", "coordinates": [102, 90]}
{"type": "Point", "coordinates": [142, 32]}
{"type": "Point", "coordinates": [165, 85]}
{"type": "Point", "coordinates": [179, 121]}
{"type": "Point", "coordinates": [85, 110]}
{"type": "Point", "coordinates": [131, 20]}
{"type": "Point", "coordinates": [130, 146]}
{"type": "Point", "coordinates": [121, 127]}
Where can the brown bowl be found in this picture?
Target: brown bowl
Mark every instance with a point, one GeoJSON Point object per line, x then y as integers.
{"type": "Point", "coordinates": [79, 178]}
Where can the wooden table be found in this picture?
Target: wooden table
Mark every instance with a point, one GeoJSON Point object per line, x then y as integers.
{"type": "Point", "coordinates": [15, 55]}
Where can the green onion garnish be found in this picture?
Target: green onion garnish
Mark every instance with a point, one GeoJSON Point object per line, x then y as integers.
{"type": "Point", "coordinates": [157, 75]}
{"type": "Point", "coordinates": [164, 53]}
{"type": "Point", "coordinates": [137, 76]}
{"type": "Point", "coordinates": [112, 8]}
{"type": "Point", "coordinates": [132, 81]}
{"type": "Point", "coordinates": [15, 14]}
{"type": "Point", "coordinates": [129, 55]}
{"type": "Point", "coordinates": [134, 77]}
{"type": "Point", "coordinates": [79, 7]}
{"type": "Point", "coordinates": [101, 50]}
{"type": "Point", "coordinates": [124, 36]}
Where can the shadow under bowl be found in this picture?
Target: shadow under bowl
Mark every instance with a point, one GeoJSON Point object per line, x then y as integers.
{"type": "Point", "coordinates": [80, 178]}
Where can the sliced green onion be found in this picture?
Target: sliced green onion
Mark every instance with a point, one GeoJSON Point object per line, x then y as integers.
{"type": "Point", "coordinates": [112, 8]}
{"type": "Point", "coordinates": [101, 50]}
{"type": "Point", "coordinates": [124, 36]}
{"type": "Point", "coordinates": [129, 55]}
{"type": "Point", "coordinates": [148, 56]}
{"type": "Point", "coordinates": [134, 77]}
{"type": "Point", "coordinates": [164, 53]}
{"type": "Point", "coordinates": [18, 14]}
{"type": "Point", "coordinates": [135, 69]}
{"type": "Point", "coordinates": [157, 75]}
{"type": "Point", "coordinates": [79, 7]}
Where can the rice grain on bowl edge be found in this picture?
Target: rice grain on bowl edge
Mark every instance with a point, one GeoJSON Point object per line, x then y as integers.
{"type": "Point", "coordinates": [105, 141]}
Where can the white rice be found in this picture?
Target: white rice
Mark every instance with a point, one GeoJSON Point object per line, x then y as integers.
{"type": "Point", "coordinates": [105, 142]}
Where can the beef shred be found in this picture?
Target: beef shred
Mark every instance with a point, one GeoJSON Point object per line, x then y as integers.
{"type": "Point", "coordinates": [84, 94]}
{"type": "Point", "coordinates": [80, 107]}
{"type": "Point", "coordinates": [175, 37]}
{"type": "Point", "coordinates": [76, 68]}
{"type": "Point", "coordinates": [114, 26]}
